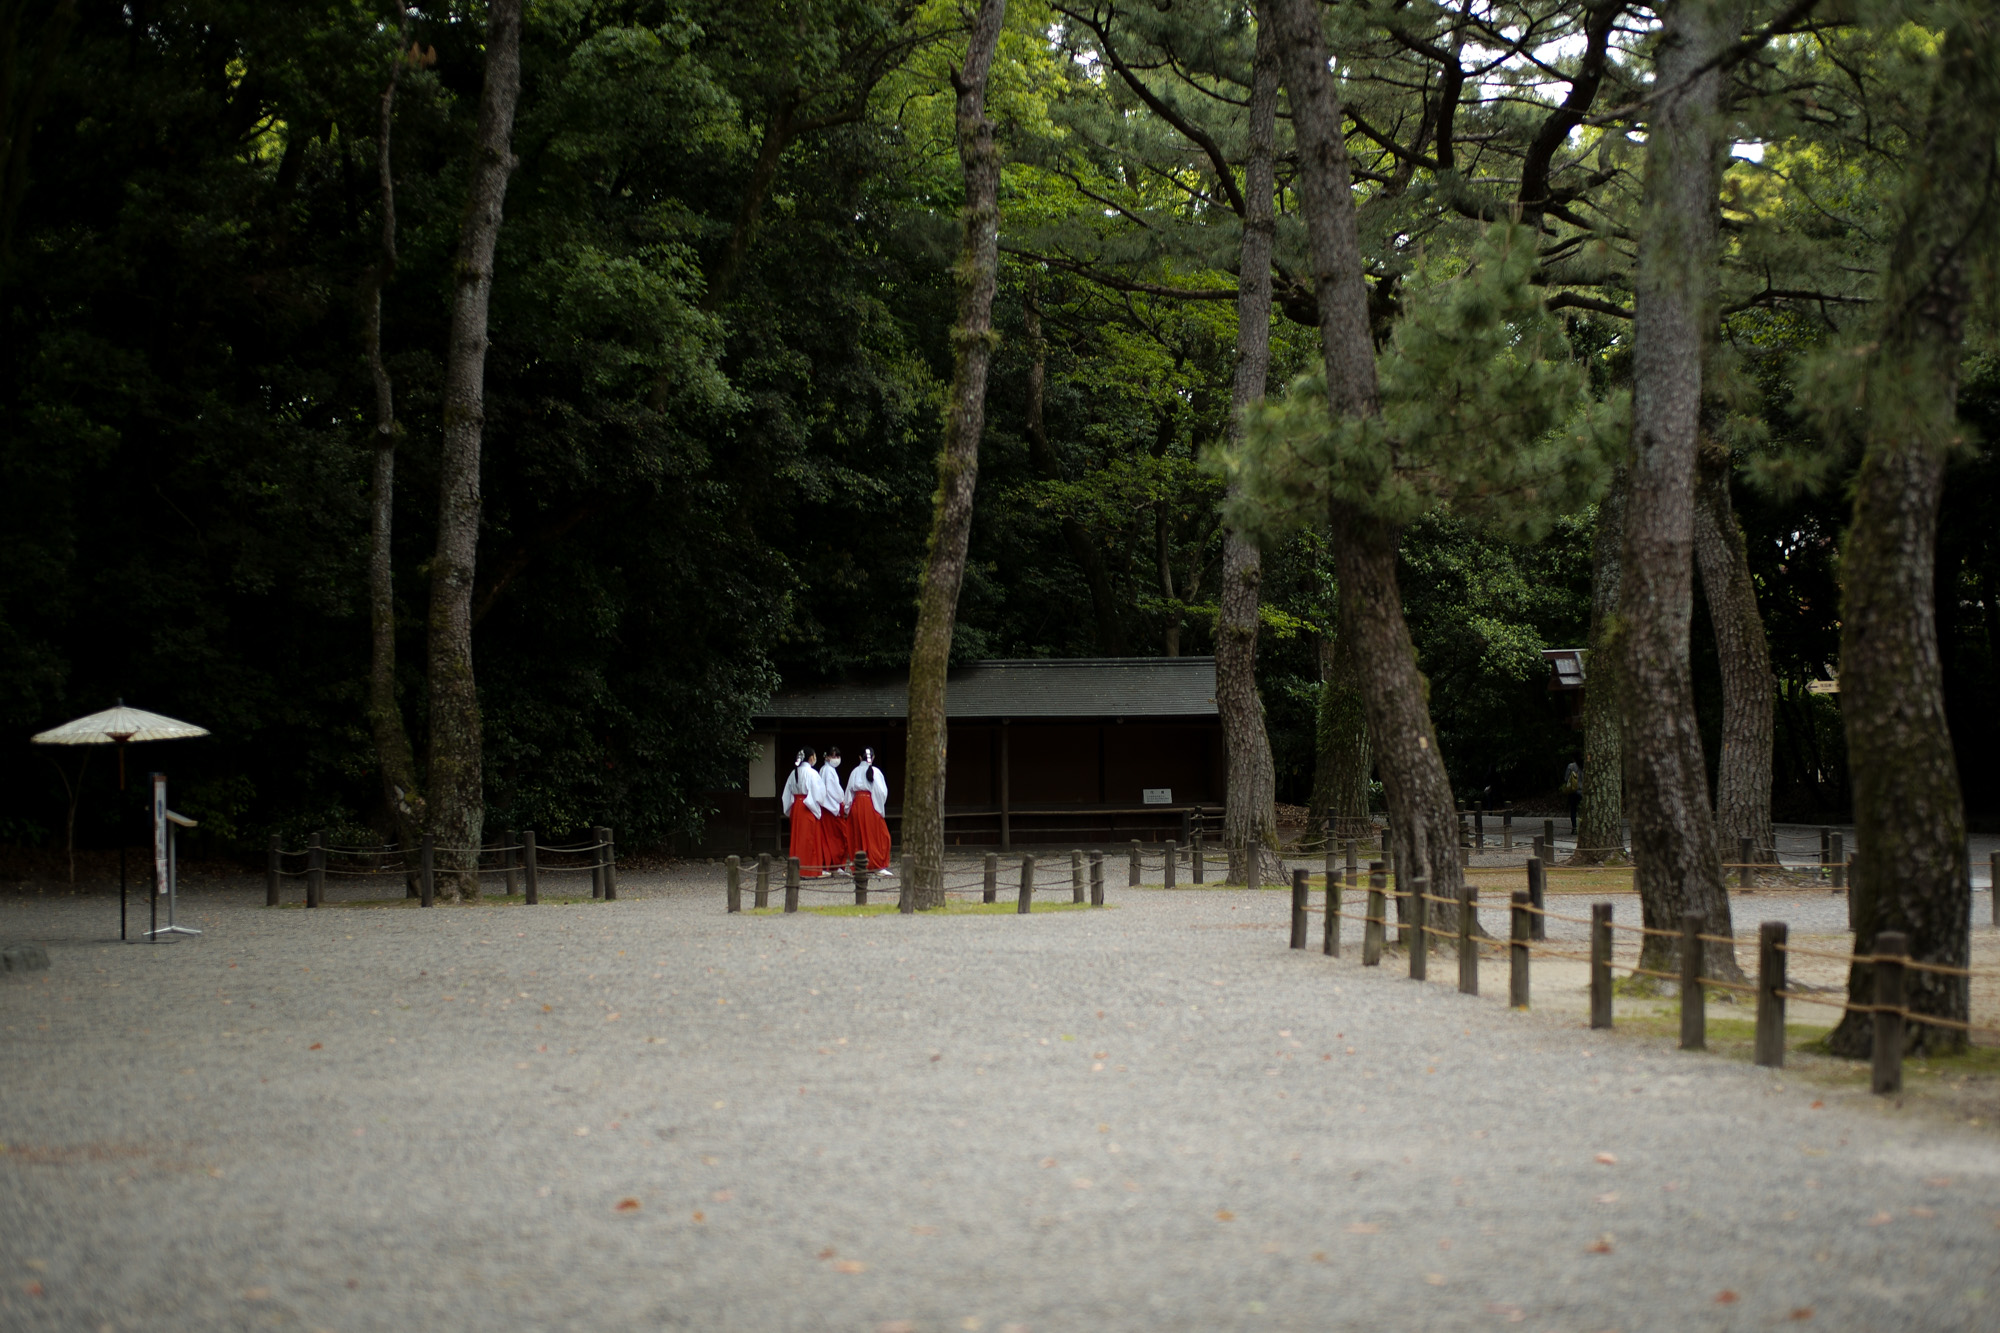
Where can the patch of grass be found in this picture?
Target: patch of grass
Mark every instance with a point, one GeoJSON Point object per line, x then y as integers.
{"type": "Point", "coordinates": [953, 909]}
{"type": "Point", "coordinates": [490, 900]}
{"type": "Point", "coordinates": [1732, 1038]}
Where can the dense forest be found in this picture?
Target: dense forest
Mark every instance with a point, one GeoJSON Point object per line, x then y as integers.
{"type": "Point", "coordinates": [721, 315]}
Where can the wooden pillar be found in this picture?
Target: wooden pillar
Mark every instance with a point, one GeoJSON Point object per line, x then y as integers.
{"type": "Point", "coordinates": [1600, 965]}
{"type": "Point", "coordinates": [531, 884]}
{"type": "Point", "coordinates": [271, 867]}
{"type": "Point", "coordinates": [992, 885]}
{"type": "Point", "coordinates": [1770, 1045]}
{"type": "Point", "coordinates": [608, 854]}
{"type": "Point", "coordinates": [1097, 879]}
{"type": "Point", "coordinates": [1517, 951]}
{"type": "Point", "coordinates": [734, 877]}
{"type": "Point", "coordinates": [1299, 904]}
{"type": "Point", "coordinates": [1076, 875]}
{"type": "Point", "coordinates": [791, 884]}
{"type": "Point", "coordinates": [1374, 927]}
{"type": "Point", "coordinates": [1538, 926]}
{"type": "Point", "coordinates": [1330, 928]}
{"type": "Point", "coordinates": [1468, 950]}
{"type": "Point", "coordinates": [1026, 903]}
{"type": "Point", "coordinates": [316, 870]}
{"type": "Point", "coordinates": [1420, 935]}
{"type": "Point", "coordinates": [427, 872]}
{"type": "Point", "coordinates": [763, 898]}
{"type": "Point", "coordinates": [861, 879]}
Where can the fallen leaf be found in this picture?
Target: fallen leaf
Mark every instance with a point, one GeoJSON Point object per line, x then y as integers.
{"type": "Point", "coordinates": [826, 1253]}
{"type": "Point", "coordinates": [582, 1131]}
{"type": "Point", "coordinates": [1048, 1162]}
{"type": "Point", "coordinates": [611, 1018]}
{"type": "Point", "coordinates": [1602, 1245]}
{"type": "Point", "coordinates": [850, 1266]}
{"type": "Point", "coordinates": [545, 1008]}
{"type": "Point", "coordinates": [626, 1206]}
{"type": "Point", "coordinates": [1362, 1228]}
{"type": "Point", "coordinates": [1726, 1298]}
{"type": "Point", "coordinates": [1881, 1218]}
{"type": "Point", "coordinates": [1921, 1211]}
{"type": "Point", "coordinates": [315, 1046]}
{"type": "Point", "coordinates": [1434, 1279]}
{"type": "Point", "coordinates": [1816, 1106]}
{"type": "Point", "coordinates": [32, 1288]}
{"type": "Point", "coordinates": [1607, 1159]}
{"type": "Point", "coordinates": [257, 1293]}
{"type": "Point", "coordinates": [721, 1196]}
{"type": "Point", "coordinates": [699, 1218]}
{"type": "Point", "coordinates": [1224, 1215]}
{"type": "Point", "coordinates": [1319, 1256]}
{"type": "Point", "coordinates": [1803, 1312]}
{"type": "Point", "coordinates": [1607, 1198]}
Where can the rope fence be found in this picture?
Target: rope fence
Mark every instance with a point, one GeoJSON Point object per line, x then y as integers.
{"type": "Point", "coordinates": [519, 863]}
{"type": "Point", "coordinates": [1086, 876]}
{"type": "Point", "coordinates": [1890, 960]}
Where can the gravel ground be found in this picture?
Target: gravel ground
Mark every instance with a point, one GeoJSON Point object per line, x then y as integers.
{"type": "Point", "coordinates": [1153, 1117]}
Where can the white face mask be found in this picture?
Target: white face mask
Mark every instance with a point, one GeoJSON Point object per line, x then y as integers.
{"type": "Point", "coordinates": [833, 763]}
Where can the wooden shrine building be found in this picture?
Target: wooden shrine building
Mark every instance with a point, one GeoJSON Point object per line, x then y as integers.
{"type": "Point", "coordinates": [1072, 752]}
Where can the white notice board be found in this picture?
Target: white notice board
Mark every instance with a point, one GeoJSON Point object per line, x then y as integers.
{"type": "Point", "coordinates": [1157, 795]}
{"type": "Point", "coordinates": [159, 833]}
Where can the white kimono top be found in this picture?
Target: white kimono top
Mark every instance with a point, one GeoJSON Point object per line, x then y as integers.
{"type": "Point", "coordinates": [803, 782]}
{"type": "Point", "coordinates": [832, 796]}
{"type": "Point", "coordinates": [877, 787]}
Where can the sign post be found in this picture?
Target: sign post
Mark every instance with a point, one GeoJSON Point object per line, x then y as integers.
{"type": "Point", "coordinates": [165, 869]}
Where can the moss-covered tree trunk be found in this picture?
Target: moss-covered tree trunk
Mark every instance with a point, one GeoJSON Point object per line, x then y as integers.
{"type": "Point", "coordinates": [1749, 691]}
{"type": "Point", "coordinates": [1250, 816]}
{"type": "Point", "coordinates": [1343, 758]}
{"type": "Point", "coordinates": [1908, 815]}
{"type": "Point", "coordinates": [1418, 792]}
{"type": "Point", "coordinates": [457, 773]}
{"type": "Point", "coordinates": [395, 760]}
{"type": "Point", "coordinates": [1674, 309]}
{"type": "Point", "coordinates": [1600, 826]}
{"type": "Point", "coordinates": [972, 339]}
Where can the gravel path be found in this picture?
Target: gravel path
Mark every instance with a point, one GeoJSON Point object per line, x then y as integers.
{"type": "Point", "coordinates": [1153, 1117]}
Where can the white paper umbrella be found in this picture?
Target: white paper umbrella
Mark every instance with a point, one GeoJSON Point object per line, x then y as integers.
{"type": "Point", "coordinates": [119, 726]}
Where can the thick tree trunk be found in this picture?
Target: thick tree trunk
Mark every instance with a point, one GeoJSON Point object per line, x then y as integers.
{"type": "Point", "coordinates": [1666, 775]}
{"type": "Point", "coordinates": [1344, 758]}
{"type": "Point", "coordinates": [958, 465]}
{"type": "Point", "coordinates": [1250, 816]}
{"type": "Point", "coordinates": [457, 790]}
{"type": "Point", "coordinates": [1421, 808]}
{"type": "Point", "coordinates": [1909, 818]}
{"type": "Point", "coordinates": [393, 755]}
{"type": "Point", "coordinates": [1749, 692]}
{"type": "Point", "coordinates": [1083, 548]}
{"type": "Point", "coordinates": [1600, 829]}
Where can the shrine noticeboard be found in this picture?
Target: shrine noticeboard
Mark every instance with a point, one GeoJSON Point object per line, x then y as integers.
{"type": "Point", "coordinates": [159, 833]}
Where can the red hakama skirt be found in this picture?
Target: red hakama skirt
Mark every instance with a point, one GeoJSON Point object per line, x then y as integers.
{"type": "Point", "coordinates": [806, 846]}
{"type": "Point", "coordinates": [834, 841]}
{"type": "Point", "coordinates": [869, 830]}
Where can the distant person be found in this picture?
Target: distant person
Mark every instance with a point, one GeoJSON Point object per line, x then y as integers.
{"type": "Point", "coordinates": [867, 798]}
{"type": "Point", "coordinates": [835, 847]}
{"type": "Point", "coordinates": [800, 800]}
{"type": "Point", "coordinates": [1572, 789]}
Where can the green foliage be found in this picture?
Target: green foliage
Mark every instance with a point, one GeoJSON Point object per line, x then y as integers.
{"type": "Point", "coordinates": [1482, 411]}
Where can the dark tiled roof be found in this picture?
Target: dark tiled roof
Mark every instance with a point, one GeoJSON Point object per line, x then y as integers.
{"type": "Point", "coordinates": [1069, 687]}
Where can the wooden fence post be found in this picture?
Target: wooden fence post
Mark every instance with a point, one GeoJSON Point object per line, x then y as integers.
{"type": "Point", "coordinates": [1517, 952]}
{"type": "Point", "coordinates": [1694, 1004]}
{"type": "Point", "coordinates": [1196, 867]}
{"type": "Point", "coordinates": [597, 863]}
{"type": "Point", "coordinates": [1770, 1047]}
{"type": "Point", "coordinates": [1839, 861]}
{"type": "Point", "coordinates": [1541, 852]}
{"type": "Point", "coordinates": [861, 879]}
{"type": "Point", "coordinates": [1299, 903]}
{"type": "Point", "coordinates": [791, 884]}
{"type": "Point", "coordinates": [1134, 881]}
{"type": "Point", "coordinates": [1027, 902]}
{"type": "Point", "coordinates": [1600, 965]}
{"type": "Point", "coordinates": [1538, 885]}
{"type": "Point", "coordinates": [1076, 875]}
{"type": "Point", "coordinates": [1549, 837]}
{"type": "Point", "coordinates": [271, 867]}
{"type": "Point", "coordinates": [1173, 856]}
{"type": "Point", "coordinates": [1891, 947]}
{"type": "Point", "coordinates": [427, 873]}
{"type": "Point", "coordinates": [763, 898]}
{"type": "Point", "coordinates": [1745, 854]}
{"type": "Point", "coordinates": [734, 874]}
{"type": "Point", "coordinates": [992, 886]}
{"type": "Point", "coordinates": [316, 870]}
{"type": "Point", "coordinates": [610, 840]}
{"type": "Point", "coordinates": [1332, 851]}
{"type": "Point", "coordinates": [1097, 879]}
{"type": "Point", "coordinates": [508, 842]}
{"type": "Point", "coordinates": [1330, 932]}
{"type": "Point", "coordinates": [1372, 929]}
{"type": "Point", "coordinates": [1825, 846]}
{"type": "Point", "coordinates": [1420, 921]}
{"type": "Point", "coordinates": [1353, 853]}
{"type": "Point", "coordinates": [1507, 832]}
{"type": "Point", "coordinates": [1468, 950]}
{"type": "Point", "coordinates": [531, 873]}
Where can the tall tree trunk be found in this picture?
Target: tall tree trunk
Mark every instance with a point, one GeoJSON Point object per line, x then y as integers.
{"type": "Point", "coordinates": [1341, 767]}
{"type": "Point", "coordinates": [1749, 692]}
{"type": "Point", "coordinates": [393, 755]}
{"type": "Point", "coordinates": [1600, 829]}
{"type": "Point", "coordinates": [972, 339]}
{"type": "Point", "coordinates": [1083, 548]}
{"type": "Point", "coordinates": [1674, 309]}
{"type": "Point", "coordinates": [1250, 815]}
{"type": "Point", "coordinates": [457, 787]}
{"type": "Point", "coordinates": [1908, 814]}
{"type": "Point", "coordinates": [1422, 811]}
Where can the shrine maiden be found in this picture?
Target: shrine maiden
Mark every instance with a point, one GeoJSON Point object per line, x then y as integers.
{"type": "Point", "coordinates": [834, 843]}
{"type": "Point", "coordinates": [867, 798]}
{"type": "Point", "coordinates": [801, 799]}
